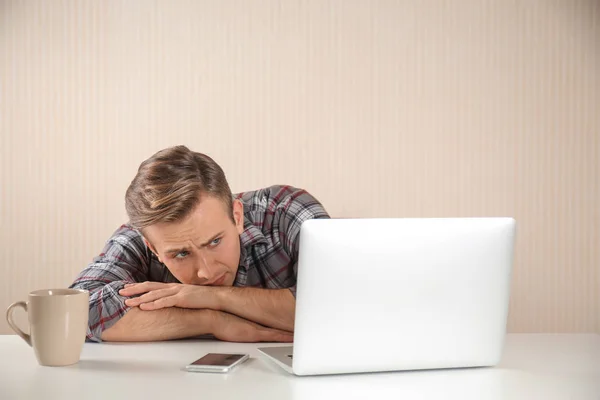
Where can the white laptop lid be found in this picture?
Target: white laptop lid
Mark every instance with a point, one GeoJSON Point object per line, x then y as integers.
{"type": "Point", "coordinates": [401, 294]}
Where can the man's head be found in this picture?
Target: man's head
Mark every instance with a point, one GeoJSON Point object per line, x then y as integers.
{"type": "Point", "coordinates": [182, 204]}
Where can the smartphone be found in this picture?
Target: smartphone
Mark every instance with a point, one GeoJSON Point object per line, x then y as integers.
{"type": "Point", "coordinates": [217, 362]}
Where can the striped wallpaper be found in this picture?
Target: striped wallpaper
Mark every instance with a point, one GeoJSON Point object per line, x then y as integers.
{"type": "Point", "coordinates": [380, 108]}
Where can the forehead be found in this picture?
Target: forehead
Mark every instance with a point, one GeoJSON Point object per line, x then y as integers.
{"type": "Point", "coordinates": [208, 218]}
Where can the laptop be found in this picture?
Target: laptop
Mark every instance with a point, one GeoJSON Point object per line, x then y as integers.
{"type": "Point", "coordinates": [394, 294]}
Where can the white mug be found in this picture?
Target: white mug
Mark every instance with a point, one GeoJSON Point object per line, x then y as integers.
{"type": "Point", "coordinates": [58, 320]}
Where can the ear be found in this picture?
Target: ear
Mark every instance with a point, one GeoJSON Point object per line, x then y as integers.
{"type": "Point", "coordinates": [238, 216]}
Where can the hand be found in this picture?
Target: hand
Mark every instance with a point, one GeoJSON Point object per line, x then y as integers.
{"type": "Point", "coordinates": [231, 328]}
{"type": "Point", "coordinates": [159, 295]}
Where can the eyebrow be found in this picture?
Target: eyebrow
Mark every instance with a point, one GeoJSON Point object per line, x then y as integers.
{"type": "Point", "coordinates": [187, 248]}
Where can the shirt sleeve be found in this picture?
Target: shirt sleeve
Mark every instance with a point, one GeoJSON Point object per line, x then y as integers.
{"type": "Point", "coordinates": [124, 259]}
{"type": "Point", "coordinates": [297, 207]}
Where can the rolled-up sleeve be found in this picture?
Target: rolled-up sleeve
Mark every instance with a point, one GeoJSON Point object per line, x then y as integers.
{"type": "Point", "coordinates": [124, 259]}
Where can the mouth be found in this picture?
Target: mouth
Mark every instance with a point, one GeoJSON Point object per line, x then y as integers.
{"type": "Point", "coordinates": [219, 281]}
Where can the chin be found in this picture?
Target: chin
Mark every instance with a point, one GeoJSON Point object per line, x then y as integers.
{"type": "Point", "coordinates": [227, 282]}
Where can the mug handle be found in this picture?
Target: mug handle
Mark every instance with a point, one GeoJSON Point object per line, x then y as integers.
{"type": "Point", "coordinates": [11, 323]}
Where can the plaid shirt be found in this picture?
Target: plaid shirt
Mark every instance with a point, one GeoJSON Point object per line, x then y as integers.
{"type": "Point", "coordinates": [268, 254]}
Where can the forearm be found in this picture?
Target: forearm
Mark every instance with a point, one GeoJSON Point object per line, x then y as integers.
{"type": "Point", "coordinates": [164, 324]}
{"type": "Point", "coordinates": [274, 308]}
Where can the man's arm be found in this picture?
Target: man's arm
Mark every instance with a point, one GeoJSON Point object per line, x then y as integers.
{"type": "Point", "coordinates": [169, 323]}
{"type": "Point", "coordinates": [296, 208]}
{"type": "Point", "coordinates": [270, 307]}
{"type": "Point", "coordinates": [124, 259]}
{"type": "Point", "coordinates": [273, 308]}
{"type": "Point", "coordinates": [176, 323]}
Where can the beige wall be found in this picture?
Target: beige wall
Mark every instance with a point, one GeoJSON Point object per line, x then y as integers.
{"type": "Point", "coordinates": [380, 108]}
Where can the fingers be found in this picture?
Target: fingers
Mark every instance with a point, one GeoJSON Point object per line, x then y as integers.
{"type": "Point", "coordinates": [138, 288]}
{"type": "Point", "coordinates": [164, 302]}
{"type": "Point", "coordinates": [150, 297]}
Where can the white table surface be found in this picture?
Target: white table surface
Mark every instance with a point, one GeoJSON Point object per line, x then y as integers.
{"type": "Point", "coordinates": [533, 367]}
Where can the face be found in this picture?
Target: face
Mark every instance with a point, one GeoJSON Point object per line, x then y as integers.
{"type": "Point", "coordinates": [204, 248]}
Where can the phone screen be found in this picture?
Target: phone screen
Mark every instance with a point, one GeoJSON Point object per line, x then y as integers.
{"type": "Point", "coordinates": [218, 359]}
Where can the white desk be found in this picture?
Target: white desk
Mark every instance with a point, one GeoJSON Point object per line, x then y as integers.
{"type": "Point", "coordinates": [544, 367]}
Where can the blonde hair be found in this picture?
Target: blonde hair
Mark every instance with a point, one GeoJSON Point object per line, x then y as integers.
{"type": "Point", "coordinates": [169, 185]}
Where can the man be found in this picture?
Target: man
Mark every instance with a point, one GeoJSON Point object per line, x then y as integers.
{"type": "Point", "coordinates": [195, 260]}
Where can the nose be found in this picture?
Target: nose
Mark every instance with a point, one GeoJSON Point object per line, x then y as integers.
{"type": "Point", "coordinates": [206, 270]}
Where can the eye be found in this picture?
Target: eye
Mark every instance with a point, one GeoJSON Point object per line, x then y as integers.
{"type": "Point", "coordinates": [215, 242]}
{"type": "Point", "coordinates": [181, 255]}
